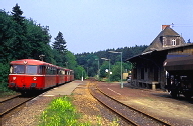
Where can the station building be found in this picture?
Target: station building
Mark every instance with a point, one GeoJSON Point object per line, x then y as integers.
{"type": "Point", "coordinates": [148, 70]}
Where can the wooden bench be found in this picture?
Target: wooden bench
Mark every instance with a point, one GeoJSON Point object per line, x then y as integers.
{"type": "Point", "coordinates": [147, 83]}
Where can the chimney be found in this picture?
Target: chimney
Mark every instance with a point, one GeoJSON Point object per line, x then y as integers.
{"type": "Point", "coordinates": [164, 26]}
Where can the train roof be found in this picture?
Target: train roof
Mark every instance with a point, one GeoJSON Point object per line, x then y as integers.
{"type": "Point", "coordinates": [35, 62]}
{"type": "Point", "coordinates": [29, 62]}
{"type": "Point", "coordinates": [179, 63]}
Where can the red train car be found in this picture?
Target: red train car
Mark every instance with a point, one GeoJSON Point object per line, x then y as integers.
{"type": "Point", "coordinates": [29, 74]}
{"type": "Point", "coordinates": [60, 75]}
{"type": "Point", "coordinates": [71, 75]}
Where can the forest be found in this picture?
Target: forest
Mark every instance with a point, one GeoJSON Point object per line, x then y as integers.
{"type": "Point", "coordinates": [23, 38]}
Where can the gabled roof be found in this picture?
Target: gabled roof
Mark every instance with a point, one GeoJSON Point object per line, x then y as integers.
{"type": "Point", "coordinates": [161, 50]}
{"type": "Point", "coordinates": [156, 43]}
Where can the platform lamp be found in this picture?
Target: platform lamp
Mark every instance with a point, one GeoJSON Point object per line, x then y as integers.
{"type": "Point", "coordinates": [109, 66]}
{"type": "Point", "coordinates": [121, 66]}
{"type": "Point", "coordinates": [98, 73]}
{"type": "Point", "coordinates": [82, 78]}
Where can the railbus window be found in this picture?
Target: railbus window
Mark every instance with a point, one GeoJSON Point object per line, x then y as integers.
{"type": "Point", "coordinates": [51, 70]}
{"type": "Point", "coordinates": [17, 69]}
{"type": "Point", "coordinates": [63, 72]}
{"type": "Point", "coordinates": [31, 69]}
{"type": "Point", "coordinates": [54, 70]}
{"type": "Point", "coordinates": [48, 70]}
{"type": "Point", "coordinates": [42, 69]}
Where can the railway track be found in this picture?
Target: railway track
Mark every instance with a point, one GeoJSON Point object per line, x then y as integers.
{"type": "Point", "coordinates": [9, 98]}
{"type": "Point", "coordinates": [8, 105]}
{"type": "Point", "coordinates": [130, 114]}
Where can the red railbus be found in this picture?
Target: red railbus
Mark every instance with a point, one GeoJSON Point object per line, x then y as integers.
{"type": "Point", "coordinates": [29, 74]}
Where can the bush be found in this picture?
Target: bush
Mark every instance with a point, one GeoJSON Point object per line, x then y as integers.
{"type": "Point", "coordinates": [4, 72]}
{"type": "Point", "coordinates": [61, 113]}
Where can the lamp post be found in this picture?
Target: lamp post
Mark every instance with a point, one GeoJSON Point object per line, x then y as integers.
{"type": "Point", "coordinates": [121, 66]}
{"type": "Point", "coordinates": [98, 73]}
{"type": "Point", "coordinates": [82, 76]}
{"type": "Point", "coordinates": [109, 66]}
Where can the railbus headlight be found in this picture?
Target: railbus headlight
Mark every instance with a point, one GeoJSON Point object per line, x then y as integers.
{"type": "Point", "coordinates": [35, 78]}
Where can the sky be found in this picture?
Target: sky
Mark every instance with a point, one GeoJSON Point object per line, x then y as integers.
{"type": "Point", "coordinates": [97, 25]}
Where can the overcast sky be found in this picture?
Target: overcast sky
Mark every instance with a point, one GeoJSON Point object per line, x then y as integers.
{"type": "Point", "coordinates": [94, 25]}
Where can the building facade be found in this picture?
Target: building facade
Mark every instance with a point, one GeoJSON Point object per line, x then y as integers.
{"type": "Point", "coordinates": [148, 70]}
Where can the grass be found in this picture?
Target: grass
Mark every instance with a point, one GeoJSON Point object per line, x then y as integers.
{"type": "Point", "coordinates": [62, 113]}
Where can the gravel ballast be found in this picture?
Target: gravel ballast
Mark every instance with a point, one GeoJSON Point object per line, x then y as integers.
{"type": "Point", "coordinates": [158, 103]}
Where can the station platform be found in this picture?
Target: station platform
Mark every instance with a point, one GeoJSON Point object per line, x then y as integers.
{"type": "Point", "coordinates": [65, 89]}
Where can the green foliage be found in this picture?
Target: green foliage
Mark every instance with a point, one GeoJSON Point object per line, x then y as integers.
{"type": "Point", "coordinates": [59, 47]}
{"type": "Point", "coordinates": [79, 72]}
{"type": "Point", "coordinates": [20, 38]}
{"type": "Point", "coordinates": [116, 72]}
{"type": "Point", "coordinates": [17, 14]}
{"type": "Point", "coordinates": [103, 67]}
{"type": "Point", "coordinates": [71, 60]}
{"type": "Point", "coordinates": [38, 37]}
{"type": "Point", "coordinates": [60, 43]}
{"type": "Point", "coordinates": [59, 58]}
{"type": "Point", "coordinates": [88, 60]}
{"type": "Point", "coordinates": [3, 76]}
{"type": "Point", "coordinates": [61, 113]}
{"type": "Point", "coordinates": [7, 36]}
{"type": "Point", "coordinates": [3, 72]}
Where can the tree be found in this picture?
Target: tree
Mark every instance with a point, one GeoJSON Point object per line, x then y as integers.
{"type": "Point", "coordinates": [38, 38]}
{"type": "Point", "coordinates": [60, 44]}
{"type": "Point", "coordinates": [70, 60]}
{"type": "Point", "coordinates": [59, 47]}
{"type": "Point", "coordinates": [21, 45]}
{"type": "Point", "coordinates": [7, 35]}
{"type": "Point", "coordinates": [79, 72]}
{"type": "Point", "coordinates": [116, 72]}
{"type": "Point", "coordinates": [17, 15]}
{"type": "Point", "coordinates": [103, 67]}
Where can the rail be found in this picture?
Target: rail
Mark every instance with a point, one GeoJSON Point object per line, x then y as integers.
{"type": "Point", "coordinates": [130, 114]}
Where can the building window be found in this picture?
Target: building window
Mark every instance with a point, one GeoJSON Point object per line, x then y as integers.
{"type": "Point", "coordinates": [173, 42]}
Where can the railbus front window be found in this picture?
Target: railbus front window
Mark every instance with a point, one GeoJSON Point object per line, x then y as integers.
{"type": "Point", "coordinates": [31, 69]}
{"type": "Point", "coordinates": [17, 69]}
